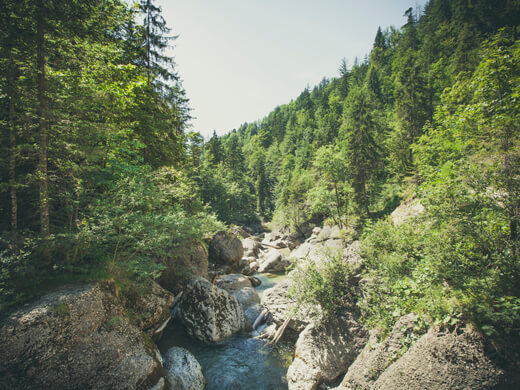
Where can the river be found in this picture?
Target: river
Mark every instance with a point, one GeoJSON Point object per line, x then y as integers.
{"type": "Point", "coordinates": [240, 362]}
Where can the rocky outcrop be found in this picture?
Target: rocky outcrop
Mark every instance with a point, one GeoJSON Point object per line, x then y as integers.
{"type": "Point", "coordinates": [226, 249]}
{"type": "Point", "coordinates": [377, 356]}
{"type": "Point", "coordinates": [281, 306]}
{"type": "Point", "coordinates": [324, 352]}
{"type": "Point", "coordinates": [149, 306]}
{"type": "Point", "coordinates": [189, 260]}
{"type": "Point", "coordinates": [210, 314]}
{"type": "Point", "coordinates": [183, 370]}
{"type": "Point", "coordinates": [443, 360]}
{"type": "Point", "coordinates": [77, 338]}
{"type": "Point", "coordinates": [251, 247]}
{"type": "Point", "coordinates": [406, 211]}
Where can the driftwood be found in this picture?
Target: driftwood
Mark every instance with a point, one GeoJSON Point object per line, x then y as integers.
{"type": "Point", "coordinates": [281, 330]}
{"type": "Point", "coordinates": [175, 303]}
{"type": "Point", "coordinates": [269, 245]}
{"type": "Point", "coordinates": [260, 318]}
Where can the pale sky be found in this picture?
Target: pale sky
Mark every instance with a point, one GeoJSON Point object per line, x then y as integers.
{"type": "Point", "coordinates": [239, 59]}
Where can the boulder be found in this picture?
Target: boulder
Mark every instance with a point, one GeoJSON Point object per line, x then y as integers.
{"type": "Point", "coordinates": [189, 260]}
{"type": "Point", "coordinates": [226, 249]}
{"type": "Point", "coordinates": [407, 210]}
{"type": "Point", "coordinates": [255, 282]}
{"type": "Point", "coordinates": [377, 356]}
{"type": "Point", "coordinates": [232, 282]}
{"type": "Point", "coordinates": [251, 268]}
{"type": "Point", "coordinates": [272, 260]}
{"type": "Point", "coordinates": [443, 360]}
{"type": "Point", "coordinates": [183, 370]}
{"type": "Point", "coordinates": [277, 301]}
{"type": "Point", "coordinates": [77, 338]}
{"type": "Point", "coordinates": [210, 314]}
{"type": "Point", "coordinates": [150, 306]}
{"type": "Point", "coordinates": [240, 287]}
{"type": "Point", "coordinates": [325, 352]}
{"type": "Point", "coordinates": [251, 247]}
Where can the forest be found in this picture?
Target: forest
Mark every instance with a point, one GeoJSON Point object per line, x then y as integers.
{"type": "Point", "coordinates": [101, 175]}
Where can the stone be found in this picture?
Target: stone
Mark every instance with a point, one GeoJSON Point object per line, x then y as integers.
{"type": "Point", "coordinates": [251, 247]}
{"type": "Point", "coordinates": [225, 249]}
{"type": "Point", "coordinates": [190, 259]}
{"type": "Point", "coordinates": [443, 360]}
{"type": "Point", "coordinates": [326, 351]}
{"type": "Point", "coordinates": [377, 356]}
{"type": "Point", "coordinates": [255, 282]}
{"type": "Point", "coordinates": [272, 260]}
{"type": "Point", "coordinates": [210, 313]}
{"type": "Point", "coordinates": [183, 370]}
{"type": "Point", "coordinates": [77, 338]}
{"type": "Point", "coordinates": [277, 301]}
{"type": "Point", "coordinates": [150, 306]}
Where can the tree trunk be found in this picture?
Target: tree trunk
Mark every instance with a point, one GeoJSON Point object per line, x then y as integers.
{"type": "Point", "coordinates": [12, 152]}
{"type": "Point", "coordinates": [42, 121]}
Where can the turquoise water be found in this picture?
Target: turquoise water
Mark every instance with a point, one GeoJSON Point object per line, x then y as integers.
{"type": "Point", "coordinates": [240, 362]}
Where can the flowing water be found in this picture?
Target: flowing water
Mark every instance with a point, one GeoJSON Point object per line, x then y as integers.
{"type": "Point", "coordinates": [240, 362]}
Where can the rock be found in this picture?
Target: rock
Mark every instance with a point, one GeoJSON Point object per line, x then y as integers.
{"type": "Point", "coordinates": [377, 356]}
{"type": "Point", "coordinates": [226, 249]}
{"type": "Point", "coordinates": [190, 259]}
{"type": "Point", "coordinates": [406, 211]}
{"type": "Point", "coordinates": [77, 338]}
{"type": "Point", "coordinates": [238, 231]}
{"type": "Point", "coordinates": [183, 370]}
{"type": "Point", "coordinates": [210, 314]}
{"type": "Point", "coordinates": [251, 248]}
{"type": "Point", "coordinates": [325, 352]}
{"type": "Point", "coordinates": [272, 261]}
{"type": "Point", "coordinates": [443, 360]}
{"type": "Point", "coordinates": [329, 233]}
{"type": "Point", "coordinates": [251, 268]}
{"type": "Point", "coordinates": [232, 282]}
{"type": "Point", "coordinates": [277, 301]}
{"type": "Point", "coordinates": [254, 281]}
{"type": "Point", "coordinates": [150, 306]}
{"type": "Point", "coordinates": [252, 313]}
{"type": "Point", "coordinates": [240, 287]}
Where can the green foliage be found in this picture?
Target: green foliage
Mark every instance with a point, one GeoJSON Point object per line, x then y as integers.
{"type": "Point", "coordinates": [329, 284]}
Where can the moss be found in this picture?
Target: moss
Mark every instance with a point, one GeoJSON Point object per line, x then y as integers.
{"type": "Point", "coordinates": [62, 309]}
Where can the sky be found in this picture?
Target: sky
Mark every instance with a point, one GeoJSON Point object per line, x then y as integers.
{"type": "Point", "coordinates": [239, 59]}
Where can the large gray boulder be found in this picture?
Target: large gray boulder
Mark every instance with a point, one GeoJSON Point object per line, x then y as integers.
{"type": "Point", "coordinates": [377, 356]}
{"type": "Point", "coordinates": [272, 260]}
{"type": "Point", "coordinates": [226, 249]}
{"type": "Point", "coordinates": [210, 313]}
{"type": "Point", "coordinates": [251, 247]}
{"type": "Point", "coordinates": [183, 370]}
{"type": "Point", "coordinates": [443, 360]}
{"type": "Point", "coordinates": [325, 352]}
{"type": "Point", "coordinates": [150, 306]}
{"type": "Point", "coordinates": [77, 338]}
{"type": "Point", "coordinates": [187, 260]}
{"type": "Point", "coordinates": [241, 288]}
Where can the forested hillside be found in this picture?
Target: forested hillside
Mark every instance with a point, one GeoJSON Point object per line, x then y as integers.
{"type": "Point", "coordinates": [431, 114]}
{"type": "Point", "coordinates": [94, 159]}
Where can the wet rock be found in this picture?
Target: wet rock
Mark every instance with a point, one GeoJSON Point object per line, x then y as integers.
{"type": "Point", "coordinates": [191, 259]}
{"type": "Point", "coordinates": [183, 370]}
{"type": "Point", "coordinates": [226, 248]}
{"type": "Point", "coordinates": [325, 352]}
{"type": "Point", "coordinates": [254, 281]}
{"type": "Point", "coordinates": [232, 282]}
{"type": "Point", "coordinates": [210, 314]}
{"type": "Point", "coordinates": [77, 338]}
